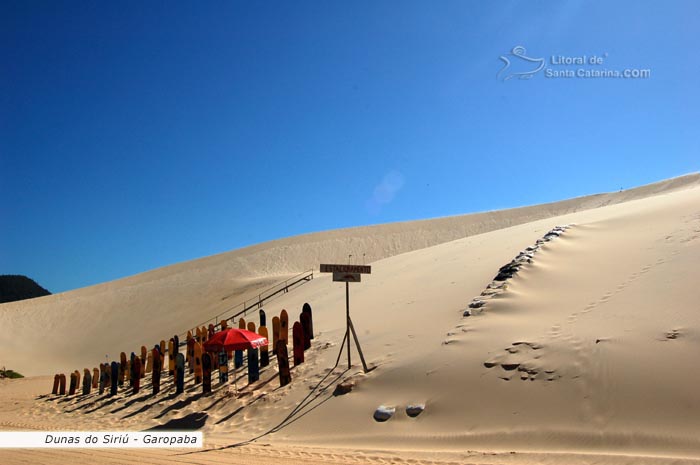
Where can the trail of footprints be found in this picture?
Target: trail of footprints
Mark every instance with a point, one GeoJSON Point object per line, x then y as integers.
{"type": "Point", "coordinates": [522, 357]}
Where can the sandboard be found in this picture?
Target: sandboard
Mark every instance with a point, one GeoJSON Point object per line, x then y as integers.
{"type": "Point", "coordinates": [263, 317]}
{"type": "Point", "coordinates": [298, 342]}
{"type": "Point", "coordinates": [87, 382]}
{"type": "Point", "coordinates": [95, 378]}
{"type": "Point", "coordinates": [180, 374]}
{"type": "Point", "coordinates": [73, 384]}
{"type": "Point", "coordinates": [264, 354]}
{"type": "Point", "coordinates": [206, 373]}
{"type": "Point", "coordinates": [284, 326]}
{"type": "Point", "coordinates": [149, 363]}
{"type": "Point", "coordinates": [137, 379]}
{"type": "Point", "coordinates": [253, 366]}
{"type": "Point", "coordinates": [190, 353]}
{"type": "Point", "coordinates": [197, 363]}
{"type": "Point", "coordinates": [210, 331]}
{"type": "Point", "coordinates": [114, 378]}
{"type": "Point", "coordinates": [223, 367]}
{"type": "Point", "coordinates": [224, 324]}
{"type": "Point", "coordinates": [238, 355]}
{"type": "Point", "coordinates": [56, 382]}
{"type": "Point", "coordinates": [157, 367]}
{"type": "Point", "coordinates": [144, 357]}
{"type": "Point", "coordinates": [251, 327]}
{"type": "Point", "coordinates": [62, 385]}
{"type": "Point", "coordinates": [306, 326]}
{"type": "Point", "coordinates": [283, 363]}
{"type": "Point", "coordinates": [306, 308]}
{"type": "Point", "coordinates": [122, 368]}
{"type": "Point", "coordinates": [275, 332]}
{"type": "Point", "coordinates": [171, 357]}
{"type": "Point", "coordinates": [163, 347]}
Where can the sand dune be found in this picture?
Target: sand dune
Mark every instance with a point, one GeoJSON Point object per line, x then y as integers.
{"type": "Point", "coordinates": [586, 356]}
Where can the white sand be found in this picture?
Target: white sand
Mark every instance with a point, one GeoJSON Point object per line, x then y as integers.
{"type": "Point", "coordinates": [611, 312]}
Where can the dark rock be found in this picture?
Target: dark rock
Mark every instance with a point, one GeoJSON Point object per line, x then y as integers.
{"type": "Point", "coordinates": [384, 413]}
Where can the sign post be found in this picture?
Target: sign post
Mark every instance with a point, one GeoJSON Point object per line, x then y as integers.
{"type": "Point", "coordinates": [349, 274]}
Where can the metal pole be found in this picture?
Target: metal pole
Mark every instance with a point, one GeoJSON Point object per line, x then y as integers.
{"type": "Point", "coordinates": [347, 319]}
{"type": "Point", "coordinates": [359, 349]}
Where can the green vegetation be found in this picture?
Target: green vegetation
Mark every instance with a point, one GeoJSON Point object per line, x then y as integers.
{"type": "Point", "coordinates": [10, 374]}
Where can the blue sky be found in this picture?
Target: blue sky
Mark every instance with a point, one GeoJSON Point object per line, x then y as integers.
{"type": "Point", "coordinates": [134, 135]}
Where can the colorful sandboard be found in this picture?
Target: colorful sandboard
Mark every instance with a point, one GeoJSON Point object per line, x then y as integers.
{"type": "Point", "coordinates": [284, 326]}
{"type": "Point", "coordinates": [206, 373]}
{"type": "Point", "coordinates": [275, 331]}
{"type": "Point", "coordinates": [171, 357]}
{"type": "Point", "coordinates": [223, 367]}
{"type": "Point", "coordinates": [197, 363]}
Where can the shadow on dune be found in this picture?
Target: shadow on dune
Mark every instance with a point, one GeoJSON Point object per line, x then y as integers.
{"type": "Point", "coordinates": [193, 421]}
{"type": "Point", "coordinates": [179, 404]}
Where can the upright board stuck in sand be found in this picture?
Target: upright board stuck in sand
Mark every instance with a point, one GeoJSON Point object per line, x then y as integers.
{"type": "Point", "coordinates": [264, 354]}
{"type": "Point", "coordinates": [305, 321]}
{"type": "Point", "coordinates": [144, 357]}
{"type": "Point", "coordinates": [251, 327]}
{"type": "Point", "coordinates": [95, 378]}
{"type": "Point", "coordinates": [114, 378]}
{"type": "Point", "coordinates": [283, 363]}
{"type": "Point", "coordinates": [179, 374]}
{"type": "Point", "coordinates": [87, 382]}
{"type": "Point", "coordinates": [155, 378]}
{"type": "Point", "coordinates": [284, 326]}
{"type": "Point", "coordinates": [238, 355]}
{"type": "Point", "coordinates": [263, 317]}
{"type": "Point", "coordinates": [298, 341]}
{"type": "Point", "coordinates": [171, 357]}
{"type": "Point", "coordinates": [137, 379]}
{"type": "Point", "coordinates": [122, 368]}
{"type": "Point", "coordinates": [206, 373]}
{"type": "Point", "coordinates": [253, 366]}
{"type": "Point", "coordinates": [275, 332]}
{"type": "Point", "coordinates": [73, 382]}
{"type": "Point", "coordinates": [223, 367]}
{"type": "Point", "coordinates": [197, 362]}
{"type": "Point", "coordinates": [62, 385]}
{"type": "Point", "coordinates": [56, 382]}
{"type": "Point", "coordinates": [307, 309]}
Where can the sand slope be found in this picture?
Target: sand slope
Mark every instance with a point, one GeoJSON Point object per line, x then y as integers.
{"type": "Point", "coordinates": [589, 355]}
{"type": "Point", "coordinates": [140, 310]}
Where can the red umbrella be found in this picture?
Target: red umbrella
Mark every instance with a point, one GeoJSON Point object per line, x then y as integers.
{"type": "Point", "coordinates": [234, 339]}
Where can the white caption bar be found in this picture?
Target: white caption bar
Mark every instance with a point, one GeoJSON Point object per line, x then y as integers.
{"type": "Point", "coordinates": [100, 439]}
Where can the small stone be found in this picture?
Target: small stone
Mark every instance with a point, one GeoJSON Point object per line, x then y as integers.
{"type": "Point", "coordinates": [383, 413]}
{"type": "Point", "coordinates": [343, 388]}
{"type": "Point", "coordinates": [415, 410]}
{"type": "Point", "coordinates": [467, 313]}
